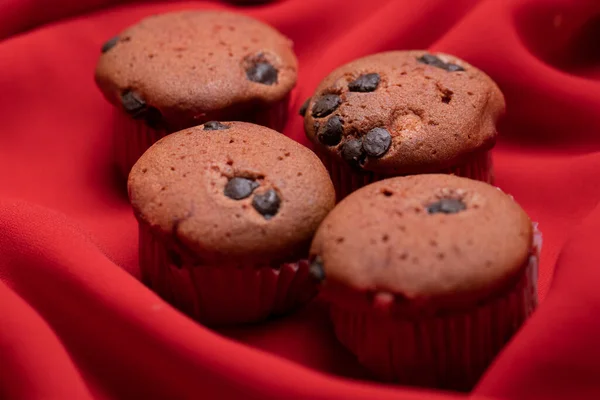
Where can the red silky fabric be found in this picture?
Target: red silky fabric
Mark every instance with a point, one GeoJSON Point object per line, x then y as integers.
{"type": "Point", "coordinates": [75, 322]}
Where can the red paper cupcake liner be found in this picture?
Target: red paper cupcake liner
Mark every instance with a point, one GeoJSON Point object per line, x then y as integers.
{"type": "Point", "coordinates": [275, 117]}
{"type": "Point", "coordinates": [346, 180]}
{"type": "Point", "coordinates": [133, 137]}
{"type": "Point", "coordinates": [224, 295]}
{"type": "Point", "coordinates": [450, 351]}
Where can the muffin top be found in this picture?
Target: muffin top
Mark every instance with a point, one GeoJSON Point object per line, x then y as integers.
{"type": "Point", "coordinates": [404, 112]}
{"type": "Point", "coordinates": [232, 193]}
{"type": "Point", "coordinates": [424, 240]}
{"type": "Point", "coordinates": [181, 69]}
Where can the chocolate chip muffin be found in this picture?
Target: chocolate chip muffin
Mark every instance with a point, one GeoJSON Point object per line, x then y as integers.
{"type": "Point", "coordinates": [428, 276]}
{"type": "Point", "coordinates": [178, 70]}
{"type": "Point", "coordinates": [227, 211]}
{"type": "Point", "coordinates": [403, 112]}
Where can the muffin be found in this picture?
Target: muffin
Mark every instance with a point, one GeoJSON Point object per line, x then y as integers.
{"type": "Point", "coordinates": [226, 215]}
{"type": "Point", "coordinates": [401, 113]}
{"type": "Point", "coordinates": [428, 276]}
{"type": "Point", "coordinates": [174, 71]}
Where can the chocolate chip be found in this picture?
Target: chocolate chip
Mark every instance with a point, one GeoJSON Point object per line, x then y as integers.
{"type": "Point", "coordinates": [365, 83]}
{"type": "Point", "coordinates": [109, 44]}
{"type": "Point", "coordinates": [453, 68]}
{"type": "Point", "coordinates": [316, 269]}
{"type": "Point", "coordinates": [214, 126]}
{"type": "Point", "coordinates": [331, 133]}
{"type": "Point", "coordinates": [377, 142]}
{"type": "Point", "coordinates": [262, 72]}
{"type": "Point", "coordinates": [239, 188]}
{"type": "Point", "coordinates": [352, 151]}
{"type": "Point", "coordinates": [430, 59]}
{"type": "Point", "coordinates": [325, 105]}
{"type": "Point", "coordinates": [267, 204]}
{"type": "Point", "coordinates": [446, 206]}
{"type": "Point", "coordinates": [133, 104]}
{"type": "Point", "coordinates": [304, 107]}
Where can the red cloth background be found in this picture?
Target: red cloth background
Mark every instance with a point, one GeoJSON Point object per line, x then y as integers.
{"type": "Point", "coordinates": [75, 323]}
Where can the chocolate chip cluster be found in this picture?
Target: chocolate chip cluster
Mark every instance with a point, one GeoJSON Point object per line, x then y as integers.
{"type": "Point", "coordinates": [375, 143]}
{"type": "Point", "coordinates": [430, 59]}
{"type": "Point", "coordinates": [266, 204]}
{"type": "Point", "coordinates": [239, 188]}
{"type": "Point", "coordinates": [258, 69]}
{"type": "Point", "coordinates": [131, 101]}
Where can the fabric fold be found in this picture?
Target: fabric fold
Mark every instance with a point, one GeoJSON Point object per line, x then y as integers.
{"type": "Point", "coordinates": [76, 322]}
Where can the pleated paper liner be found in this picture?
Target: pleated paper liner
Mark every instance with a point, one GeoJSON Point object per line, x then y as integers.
{"type": "Point", "coordinates": [133, 137]}
{"type": "Point", "coordinates": [347, 180]}
{"type": "Point", "coordinates": [450, 351]}
{"type": "Point", "coordinates": [224, 295]}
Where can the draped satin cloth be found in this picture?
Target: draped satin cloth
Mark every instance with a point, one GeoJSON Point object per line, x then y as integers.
{"type": "Point", "coordinates": [76, 323]}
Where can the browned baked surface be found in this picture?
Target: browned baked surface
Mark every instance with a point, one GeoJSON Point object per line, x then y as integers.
{"type": "Point", "coordinates": [181, 188]}
{"type": "Point", "coordinates": [196, 66]}
{"type": "Point", "coordinates": [396, 237]}
{"type": "Point", "coordinates": [434, 114]}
